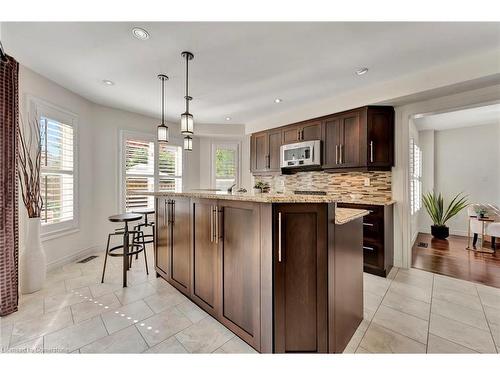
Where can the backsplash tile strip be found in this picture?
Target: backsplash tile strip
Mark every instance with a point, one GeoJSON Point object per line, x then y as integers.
{"type": "Point", "coordinates": [334, 183]}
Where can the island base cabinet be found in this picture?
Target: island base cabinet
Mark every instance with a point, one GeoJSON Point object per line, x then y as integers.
{"type": "Point", "coordinates": [163, 235]}
{"type": "Point", "coordinates": [180, 249]}
{"type": "Point", "coordinates": [239, 266]}
{"type": "Point", "coordinates": [300, 278]}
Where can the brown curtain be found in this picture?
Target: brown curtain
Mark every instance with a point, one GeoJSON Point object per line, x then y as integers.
{"type": "Point", "coordinates": [9, 111]}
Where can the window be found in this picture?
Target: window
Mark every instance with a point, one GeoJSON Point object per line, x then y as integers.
{"type": "Point", "coordinates": [415, 177]}
{"type": "Point", "coordinates": [225, 165]}
{"type": "Point", "coordinates": [58, 185]}
{"type": "Point", "coordinates": [143, 172]}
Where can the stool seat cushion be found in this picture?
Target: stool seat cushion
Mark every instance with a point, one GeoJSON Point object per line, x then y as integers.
{"type": "Point", "coordinates": [121, 218]}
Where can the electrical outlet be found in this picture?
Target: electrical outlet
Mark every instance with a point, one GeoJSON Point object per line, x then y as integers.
{"type": "Point", "coordinates": [367, 181]}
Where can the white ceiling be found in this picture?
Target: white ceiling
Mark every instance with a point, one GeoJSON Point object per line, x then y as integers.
{"type": "Point", "coordinates": [239, 68]}
{"type": "Point", "coordinates": [463, 118]}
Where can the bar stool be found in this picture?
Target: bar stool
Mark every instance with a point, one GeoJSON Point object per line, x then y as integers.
{"type": "Point", "coordinates": [129, 248]}
{"type": "Point", "coordinates": [146, 238]}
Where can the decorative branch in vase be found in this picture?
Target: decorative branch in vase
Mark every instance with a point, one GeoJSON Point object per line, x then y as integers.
{"type": "Point", "coordinates": [32, 262]}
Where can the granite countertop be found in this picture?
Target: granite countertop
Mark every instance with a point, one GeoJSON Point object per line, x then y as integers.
{"type": "Point", "coordinates": [345, 215]}
{"type": "Point", "coordinates": [274, 197]}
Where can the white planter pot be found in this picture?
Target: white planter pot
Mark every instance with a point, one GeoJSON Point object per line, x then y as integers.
{"type": "Point", "coordinates": [32, 261]}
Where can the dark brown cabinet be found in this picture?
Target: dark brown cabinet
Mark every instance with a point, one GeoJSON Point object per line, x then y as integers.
{"type": "Point", "coordinates": [205, 257]}
{"type": "Point", "coordinates": [300, 269]}
{"type": "Point", "coordinates": [265, 151]}
{"type": "Point", "coordinates": [163, 234]}
{"type": "Point", "coordinates": [239, 264]}
{"type": "Point", "coordinates": [378, 249]}
{"type": "Point", "coordinates": [180, 249]}
{"type": "Point", "coordinates": [358, 139]}
{"type": "Point", "coordinates": [306, 131]}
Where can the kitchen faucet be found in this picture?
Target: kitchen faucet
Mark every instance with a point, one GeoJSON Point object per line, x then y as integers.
{"type": "Point", "coordinates": [230, 190]}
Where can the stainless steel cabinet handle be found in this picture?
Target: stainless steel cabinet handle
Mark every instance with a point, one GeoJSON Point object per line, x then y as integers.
{"type": "Point", "coordinates": [368, 248]}
{"type": "Point", "coordinates": [216, 213]}
{"type": "Point", "coordinates": [172, 214]}
{"type": "Point", "coordinates": [368, 224]}
{"type": "Point", "coordinates": [336, 154]}
{"type": "Point", "coordinates": [371, 151]}
{"type": "Point", "coordinates": [279, 237]}
{"type": "Point", "coordinates": [268, 161]}
{"type": "Point", "coordinates": [298, 135]}
{"type": "Point", "coordinates": [302, 135]}
{"type": "Point", "coordinates": [165, 213]}
{"type": "Point", "coordinates": [342, 154]}
{"type": "Point", "coordinates": [211, 223]}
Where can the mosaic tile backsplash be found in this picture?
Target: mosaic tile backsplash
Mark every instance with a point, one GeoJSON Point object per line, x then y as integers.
{"type": "Point", "coordinates": [334, 183]}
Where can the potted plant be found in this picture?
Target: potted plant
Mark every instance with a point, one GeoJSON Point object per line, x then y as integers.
{"type": "Point", "coordinates": [481, 212]}
{"type": "Point", "coordinates": [261, 187]}
{"type": "Point", "coordinates": [434, 205]}
{"type": "Point", "coordinates": [32, 260]}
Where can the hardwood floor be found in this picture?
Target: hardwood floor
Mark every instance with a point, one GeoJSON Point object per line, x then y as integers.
{"type": "Point", "coordinates": [449, 257]}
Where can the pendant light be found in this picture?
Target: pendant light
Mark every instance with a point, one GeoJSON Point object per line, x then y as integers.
{"type": "Point", "coordinates": [163, 136]}
{"type": "Point", "coordinates": [187, 123]}
{"type": "Point", "coordinates": [188, 143]}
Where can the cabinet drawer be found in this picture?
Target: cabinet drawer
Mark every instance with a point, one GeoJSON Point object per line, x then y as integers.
{"type": "Point", "coordinates": [371, 251]}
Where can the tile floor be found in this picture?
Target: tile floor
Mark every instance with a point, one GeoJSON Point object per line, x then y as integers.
{"type": "Point", "coordinates": [410, 312]}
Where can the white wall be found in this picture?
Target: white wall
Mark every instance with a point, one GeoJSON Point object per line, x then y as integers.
{"type": "Point", "coordinates": [98, 161]}
{"type": "Point", "coordinates": [465, 160]}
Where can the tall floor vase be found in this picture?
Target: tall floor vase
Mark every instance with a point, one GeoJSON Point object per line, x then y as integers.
{"type": "Point", "coordinates": [32, 262]}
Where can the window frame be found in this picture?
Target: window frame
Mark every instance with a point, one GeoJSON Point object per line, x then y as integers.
{"type": "Point", "coordinates": [234, 143]}
{"type": "Point", "coordinates": [40, 108]}
{"type": "Point", "coordinates": [147, 137]}
{"type": "Point", "coordinates": [415, 172]}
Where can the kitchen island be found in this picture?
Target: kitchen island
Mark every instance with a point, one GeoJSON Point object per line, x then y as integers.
{"type": "Point", "coordinates": [283, 272]}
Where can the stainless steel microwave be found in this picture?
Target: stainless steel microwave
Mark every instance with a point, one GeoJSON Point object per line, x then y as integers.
{"type": "Point", "coordinates": [301, 154]}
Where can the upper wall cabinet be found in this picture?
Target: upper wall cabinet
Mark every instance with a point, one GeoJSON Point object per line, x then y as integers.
{"type": "Point", "coordinates": [359, 139]}
{"type": "Point", "coordinates": [305, 131]}
{"type": "Point", "coordinates": [265, 151]}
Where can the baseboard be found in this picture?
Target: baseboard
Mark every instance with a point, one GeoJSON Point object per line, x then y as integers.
{"type": "Point", "coordinates": [71, 258]}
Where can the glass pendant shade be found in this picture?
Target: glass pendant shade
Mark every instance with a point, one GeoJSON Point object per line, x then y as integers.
{"type": "Point", "coordinates": [187, 123]}
{"type": "Point", "coordinates": [188, 143]}
{"type": "Point", "coordinates": [162, 133]}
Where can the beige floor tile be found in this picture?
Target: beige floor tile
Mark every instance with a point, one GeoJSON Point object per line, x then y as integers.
{"type": "Point", "coordinates": [28, 309]}
{"type": "Point", "coordinates": [493, 317]}
{"type": "Point", "coordinates": [462, 334]}
{"type": "Point", "coordinates": [489, 296]}
{"type": "Point", "coordinates": [192, 312]}
{"type": "Point", "coordinates": [161, 301]}
{"type": "Point", "coordinates": [76, 336]}
{"type": "Point", "coordinates": [371, 301]}
{"type": "Point", "coordinates": [407, 305]}
{"type": "Point", "coordinates": [457, 285]}
{"type": "Point", "coordinates": [458, 298]}
{"type": "Point", "coordinates": [134, 293]}
{"type": "Point", "coordinates": [204, 336]}
{"type": "Point", "coordinates": [356, 337]}
{"type": "Point", "coordinates": [377, 339]}
{"type": "Point", "coordinates": [438, 345]}
{"type": "Point", "coordinates": [107, 287]}
{"type": "Point", "coordinates": [161, 326]}
{"type": "Point", "coordinates": [368, 314]}
{"type": "Point", "coordinates": [237, 346]}
{"type": "Point", "coordinates": [128, 340]}
{"type": "Point", "coordinates": [361, 350]}
{"type": "Point", "coordinates": [169, 346]}
{"type": "Point", "coordinates": [88, 309]}
{"type": "Point", "coordinates": [61, 274]}
{"type": "Point", "coordinates": [73, 297]}
{"type": "Point", "coordinates": [118, 318]}
{"type": "Point", "coordinates": [375, 284]}
{"type": "Point", "coordinates": [407, 325]}
{"type": "Point", "coordinates": [414, 277]}
{"type": "Point", "coordinates": [412, 291]}
{"type": "Point", "coordinates": [392, 273]}
{"type": "Point", "coordinates": [5, 332]}
{"type": "Point", "coordinates": [463, 314]}
{"type": "Point", "coordinates": [44, 324]}
{"type": "Point", "coordinates": [82, 281]}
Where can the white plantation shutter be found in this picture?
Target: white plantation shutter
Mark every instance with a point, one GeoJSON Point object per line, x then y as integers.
{"type": "Point", "coordinates": [57, 171]}
{"type": "Point", "coordinates": [415, 177]}
{"type": "Point", "coordinates": [170, 168]}
{"type": "Point", "coordinates": [225, 161]}
{"type": "Point", "coordinates": [139, 173]}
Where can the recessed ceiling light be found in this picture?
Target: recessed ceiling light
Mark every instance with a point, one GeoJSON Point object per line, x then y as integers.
{"type": "Point", "coordinates": [107, 82]}
{"type": "Point", "coordinates": [228, 118]}
{"type": "Point", "coordinates": [278, 100]}
{"type": "Point", "coordinates": [140, 33]}
{"type": "Point", "coordinates": [361, 71]}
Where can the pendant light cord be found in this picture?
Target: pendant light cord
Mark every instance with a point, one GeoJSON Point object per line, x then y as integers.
{"type": "Point", "coordinates": [187, 82]}
{"type": "Point", "coordinates": [163, 101]}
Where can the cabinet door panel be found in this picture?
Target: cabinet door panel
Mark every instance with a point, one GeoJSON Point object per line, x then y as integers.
{"type": "Point", "coordinates": [300, 279]}
{"type": "Point", "coordinates": [380, 138]}
{"type": "Point", "coordinates": [311, 131]}
{"type": "Point", "coordinates": [240, 269]}
{"type": "Point", "coordinates": [274, 150]}
{"type": "Point", "coordinates": [205, 265]}
{"type": "Point", "coordinates": [291, 134]}
{"type": "Point", "coordinates": [331, 142]}
{"type": "Point", "coordinates": [260, 152]}
{"type": "Point", "coordinates": [351, 137]}
{"type": "Point", "coordinates": [163, 235]}
{"type": "Point", "coordinates": [181, 247]}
